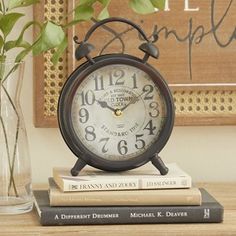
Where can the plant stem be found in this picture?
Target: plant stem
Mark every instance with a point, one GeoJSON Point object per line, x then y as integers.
{"type": "Point", "coordinates": [8, 157]}
{"type": "Point", "coordinates": [3, 56]}
{"type": "Point", "coordinates": [6, 142]}
{"type": "Point", "coordinates": [16, 139]}
{"type": "Point", "coordinates": [9, 73]}
{"type": "Point", "coordinates": [11, 165]}
{"type": "Point", "coordinates": [3, 7]}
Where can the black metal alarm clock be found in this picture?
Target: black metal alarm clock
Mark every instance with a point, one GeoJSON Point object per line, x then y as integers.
{"type": "Point", "coordinates": [115, 111]}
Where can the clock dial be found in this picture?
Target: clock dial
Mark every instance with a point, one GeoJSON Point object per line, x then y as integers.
{"type": "Point", "coordinates": [118, 112]}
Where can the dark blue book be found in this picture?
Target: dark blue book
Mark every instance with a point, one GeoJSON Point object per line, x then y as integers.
{"type": "Point", "coordinates": [211, 211]}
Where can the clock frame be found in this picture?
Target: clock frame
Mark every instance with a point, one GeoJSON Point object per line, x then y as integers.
{"type": "Point", "coordinates": [85, 156]}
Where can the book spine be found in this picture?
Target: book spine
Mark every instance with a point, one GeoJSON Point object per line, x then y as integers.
{"type": "Point", "coordinates": [94, 185]}
{"type": "Point", "coordinates": [162, 183]}
{"type": "Point", "coordinates": [128, 184]}
{"type": "Point", "coordinates": [127, 198]}
{"type": "Point", "coordinates": [130, 215]}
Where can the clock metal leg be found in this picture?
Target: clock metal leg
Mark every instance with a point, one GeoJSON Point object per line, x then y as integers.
{"type": "Point", "coordinates": [79, 165]}
{"type": "Point", "coordinates": [159, 164]}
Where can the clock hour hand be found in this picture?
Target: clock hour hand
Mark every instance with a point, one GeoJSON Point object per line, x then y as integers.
{"type": "Point", "coordinates": [104, 104]}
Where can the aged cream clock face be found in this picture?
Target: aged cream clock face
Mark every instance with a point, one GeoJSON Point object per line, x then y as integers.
{"type": "Point", "coordinates": [118, 112]}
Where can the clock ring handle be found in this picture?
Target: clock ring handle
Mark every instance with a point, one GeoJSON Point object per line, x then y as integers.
{"type": "Point", "coordinates": [114, 19]}
{"type": "Point", "coordinates": [85, 48]}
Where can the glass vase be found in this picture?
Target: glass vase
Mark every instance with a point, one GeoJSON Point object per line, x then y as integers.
{"type": "Point", "coordinates": [15, 168]}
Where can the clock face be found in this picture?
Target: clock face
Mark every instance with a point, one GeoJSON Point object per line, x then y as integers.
{"type": "Point", "coordinates": [118, 112]}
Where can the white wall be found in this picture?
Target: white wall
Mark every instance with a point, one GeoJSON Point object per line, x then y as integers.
{"type": "Point", "coordinates": [206, 153]}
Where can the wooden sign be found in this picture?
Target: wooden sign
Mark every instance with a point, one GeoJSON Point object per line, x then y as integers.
{"type": "Point", "coordinates": [197, 44]}
{"type": "Point", "coordinates": [196, 40]}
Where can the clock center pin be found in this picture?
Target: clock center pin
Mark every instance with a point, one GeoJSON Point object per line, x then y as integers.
{"type": "Point", "coordinates": [118, 112]}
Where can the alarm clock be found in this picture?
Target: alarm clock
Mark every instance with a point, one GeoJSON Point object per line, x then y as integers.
{"type": "Point", "coordinates": [115, 111]}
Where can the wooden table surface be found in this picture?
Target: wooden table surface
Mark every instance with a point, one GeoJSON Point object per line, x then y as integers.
{"type": "Point", "coordinates": [225, 193]}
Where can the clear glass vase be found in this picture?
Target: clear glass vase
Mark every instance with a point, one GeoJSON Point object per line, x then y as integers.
{"type": "Point", "coordinates": [15, 168]}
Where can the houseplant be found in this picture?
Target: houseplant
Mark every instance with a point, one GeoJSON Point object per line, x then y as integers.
{"type": "Point", "coordinates": [15, 175]}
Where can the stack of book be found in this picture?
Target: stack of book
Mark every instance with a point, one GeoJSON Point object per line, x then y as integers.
{"type": "Point", "coordinates": [97, 197]}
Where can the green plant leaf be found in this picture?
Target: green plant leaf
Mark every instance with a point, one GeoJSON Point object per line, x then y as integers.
{"type": "Point", "coordinates": [8, 21]}
{"type": "Point", "coordinates": [104, 12]}
{"type": "Point", "coordinates": [86, 2]}
{"type": "Point", "coordinates": [105, 2]}
{"type": "Point", "coordinates": [142, 6]}
{"type": "Point", "coordinates": [160, 4]}
{"type": "Point", "coordinates": [2, 58]}
{"type": "Point", "coordinates": [0, 6]}
{"type": "Point", "coordinates": [71, 23]}
{"type": "Point", "coordinates": [83, 13]}
{"type": "Point", "coordinates": [19, 42]}
{"type": "Point", "coordinates": [60, 49]}
{"type": "Point", "coordinates": [21, 3]}
{"type": "Point", "coordinates": [27, 25]}
{"type": "Point", "coordinates": [2, 67]}
{"type": "Point", "coordinates": [15, 44]}
{"type": "Point", "coordinates": [1, 42]}
{"type": "Point", "coordinates": [51, 36]}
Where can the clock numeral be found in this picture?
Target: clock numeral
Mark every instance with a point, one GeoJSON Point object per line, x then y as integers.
{"type": "Point", "coordinates": [87, 98]}
{"type": "Point", "coordinates": [134, 77]}
{"type": "Point", "coordinates": [84, 115]}
{"type": "Point", "coordinates": [104, 148]}
{"type": "Point", "coordinates": [99, 84]}
{"type": "Point", "coordinates": [140, 144]}
{"type": "Point", "coordinates": [155, 111]}
{"type": "Point", "coordinates": [122, 147]}
{"type": "Point", "coordinates": [90, 133]}
{"type": "Point", "coordinates": [118, 75]}
{"type": "Point", "coordinates": [148, 89]}
{"type": "Point", "coordinates": [150, 127]}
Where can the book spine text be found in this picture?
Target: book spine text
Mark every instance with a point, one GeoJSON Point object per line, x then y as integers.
{"type": "Point", "coordinates": [126, 215]}
{"type": "Point", "coordinates": [128, 184]}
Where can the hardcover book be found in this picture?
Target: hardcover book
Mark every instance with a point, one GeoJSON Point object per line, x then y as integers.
{"type": "Point", "coordinates": [190, 196]}
{"type": "Point", "coordinates": [209, 211]}
{"type": "Point", "coordinates": [96, 180]}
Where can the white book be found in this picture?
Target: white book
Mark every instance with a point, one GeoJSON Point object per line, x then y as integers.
{"type": "Point", "coordinates": [97, 180]}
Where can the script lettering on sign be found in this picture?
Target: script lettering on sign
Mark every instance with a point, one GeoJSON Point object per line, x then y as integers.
{"type": "Point", "coordinates": [196, 35]}
{"type": "Point", "coordinates": [196, 40]}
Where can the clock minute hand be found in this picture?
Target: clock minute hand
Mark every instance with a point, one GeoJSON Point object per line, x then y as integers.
{"type": "Point", "coordinates": [133, 101]}
{"type": "Point", "coordinates": [104, 104]}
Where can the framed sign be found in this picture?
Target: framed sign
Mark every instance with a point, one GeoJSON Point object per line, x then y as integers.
{"type": "Point", "coordinates": [197, 44]}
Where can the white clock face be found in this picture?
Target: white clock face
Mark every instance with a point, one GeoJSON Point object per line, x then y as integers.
{"type": "Point", "coordinates": [118, 112]}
